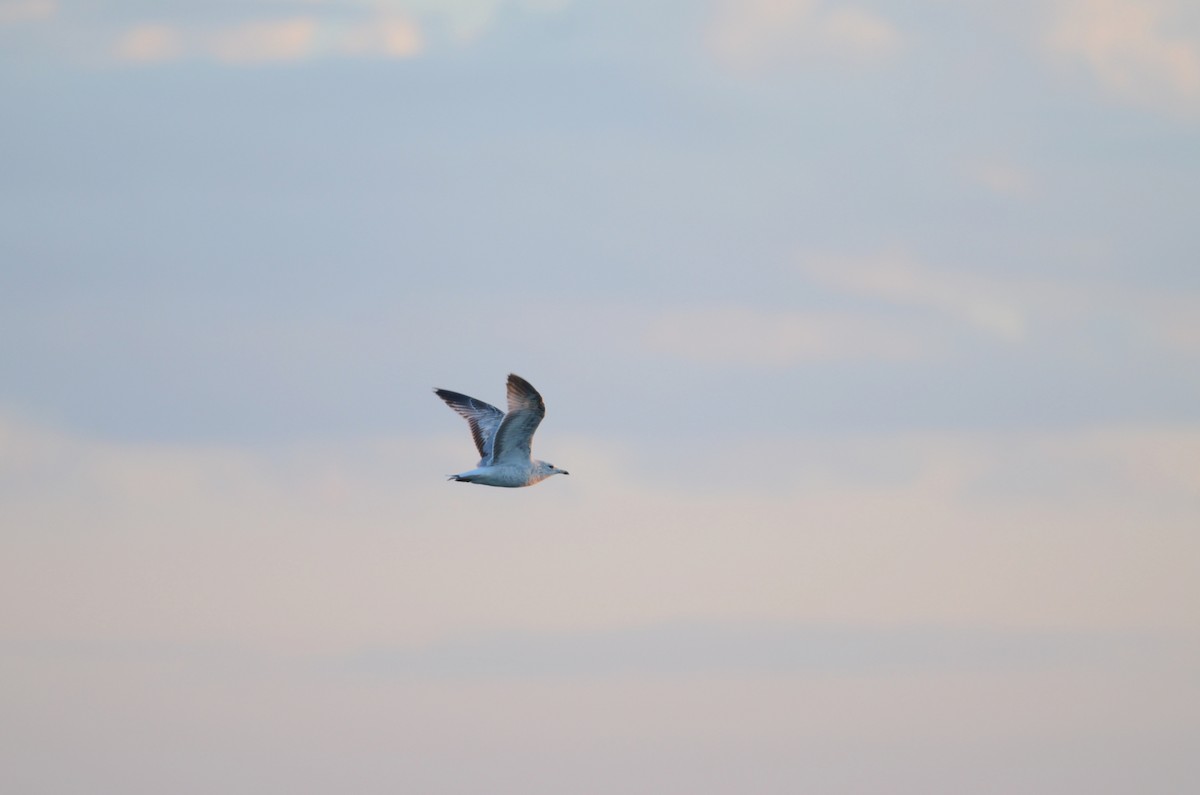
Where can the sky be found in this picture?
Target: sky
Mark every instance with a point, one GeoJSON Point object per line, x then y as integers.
{"type": "Point", "coordinates": [869, 332]}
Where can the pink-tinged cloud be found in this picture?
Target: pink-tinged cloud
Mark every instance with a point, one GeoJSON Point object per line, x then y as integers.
{"type": "Point", "coordinates": [392, 36]}
{"type": "Point", "coordinates": [1180, 330]}
{"type": "Point", "coordinates": [1143, 51]}
{"type": "Point", "coordinates": [898, 279]}
{"type": "Point", "coordinates": [742, 336]}
{"type": "Point", "coordinates": [859, 33]}
{"type": "Point", "coordinates": [150, 43]}
{"type": "Point", "coordinates": [16, 11]}
{"type": "Point", "coordinates": [753, 35]}
{"type": "Point", "coordinates": [273, 41]}
{"type": "Point", "coordinates": [334, 545]}
{"type": "Point", "coordinates": [283, 40]}
{"type": "Point", "coordinates": [1000, 176]}
{"type": "Point", "coordinates": [1018, 308]}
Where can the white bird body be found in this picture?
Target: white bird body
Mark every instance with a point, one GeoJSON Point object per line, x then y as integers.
{"type": "Point", "coordinates": [504, 439]}
{"type": "Point", "coordinates": [505, 475]}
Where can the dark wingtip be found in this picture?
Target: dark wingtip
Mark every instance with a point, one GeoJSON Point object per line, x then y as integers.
{"type": "Point", "coordinates": [523, 388]}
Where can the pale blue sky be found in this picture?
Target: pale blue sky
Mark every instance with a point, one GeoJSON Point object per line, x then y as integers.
{"type": "Point", "coordinates": [869, 331]}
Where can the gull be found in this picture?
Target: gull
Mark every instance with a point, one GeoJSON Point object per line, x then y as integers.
{"type": "Point", "coordinates": [503, 439]}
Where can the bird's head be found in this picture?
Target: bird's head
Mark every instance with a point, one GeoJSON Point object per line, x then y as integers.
{"type": "Point", "coordinates": [546, 470]}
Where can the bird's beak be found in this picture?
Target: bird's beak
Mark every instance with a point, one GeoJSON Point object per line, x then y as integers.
{"type": "Point", "coordinates": [565, 472]}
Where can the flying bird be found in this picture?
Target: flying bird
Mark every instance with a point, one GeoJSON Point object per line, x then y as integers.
{"type": "Point", "coordinates": [503, 439]}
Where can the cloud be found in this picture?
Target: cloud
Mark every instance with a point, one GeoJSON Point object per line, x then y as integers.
{"type": "Point", "coordinates": [15, 11]}
{"type": "Point", "coordinates": [282, 40]}
{"type": "Point", "coordinates": [757, 34]}
{"type": "Point", "coordinates": [327, 547]}
{"type": "Point", "coordinates": [1000, 176]}
{"type": "Point", "coordinates": [273, 41]}
{"type": "Point", "coordinates": [148, 43]}
{"type": "Point", "coordinates": [185, 602]}
{"type": "Point", "coordinates": [369, 29]}
{"type": "Point", "coordinates": [740, 335]}
{"type": "Point", "coordinates": [905, 305]}
{"type": "Point", "coordinates": [466, 20]}
{"type": "Point", "coordinates": [1143, 51]}
{"type": "Point", "coordinates": [859, 33]}
{"type": "Point", "coordinates": [390, 35]}
{"type": "Point", "coordinates": [1021, 308]}
{"type": "Point", "coordinates": [898, 279]}
{"type": "Point", "coordinates": [1179, 329]}
{"type": "Point", "coordinates": [1146, 458]}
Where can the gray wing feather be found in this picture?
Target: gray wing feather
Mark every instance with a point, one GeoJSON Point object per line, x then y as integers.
{"type": "Point", "coordinates": [484, 419]}
{"type": "Point", "coordinates": [523, 397]}
{"type": "Point", "coordinates": [514, 437]}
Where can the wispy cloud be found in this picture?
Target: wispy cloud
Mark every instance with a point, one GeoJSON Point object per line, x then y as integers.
{"type": "Point", "coordinates": [906, 303]}
{"type": "Point", "coordinates": [740, 335]}
{"type": "Point", "coordinates": [1018, 308]}
{"type": "Point", "coordinates": [393, 36]}
{"type": "Point", "coordinates": [469, 20]}
{"type": "Point", "coordinates": [14, 11]}
{"type": "Point", "coordinates": [858, 33]}
{"type": "Point", "coordinates": [272, 41]}
{"type": "Point", "coordinates": [150, 43]}
{"type": "Point", "coordinates": [899, 279]}
{"type": "Point", "coordinates": [282, 40]}
{"type": "Point", "coordinates": [750, 36]}
{"type": "Point", "coordinates": [1150, 459]}
{"type": "Point", "coordinates": [361, 543]}
{"type": "Point", "coordinates": [1000, 176]}
{"type": "Point", "coordinates": [329, 29]}
{"type": "Point", "coordinates": [171, 596]}
{"type": "Point", "coordinates": [1179, 329]}
{"type": "Point", "coordinates": [1144, 51]}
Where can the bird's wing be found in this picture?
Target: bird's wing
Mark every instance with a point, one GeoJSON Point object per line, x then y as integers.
{"type": "Point", "coordinates": [523, 397]}
{"type": "Point", "coordinates": [484, 419]}
{"type": "Point", "coordinates": [514, 437]}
